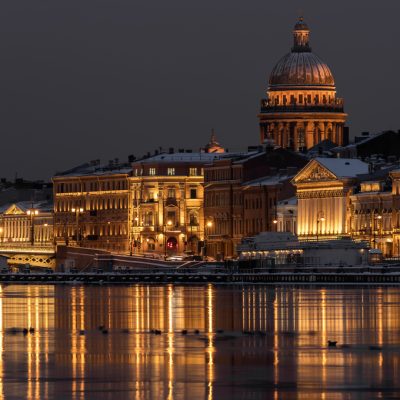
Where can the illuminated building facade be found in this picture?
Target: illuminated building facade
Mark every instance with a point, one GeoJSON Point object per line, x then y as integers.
{"type": "Point", "coordinates": [323, 188]}
{"type": "Point", "coordinates": [241, 195]}
{"type": "Point", "coordinates": [340, 197]}
{"type": "Point", "coordinates": [26, 224]}
{"type": "Point", "coordinates": [91, 207]}
{"type": "Point", "coordinates": [301, 108]}
{"type": "Point", "coordinates": [166, 214]}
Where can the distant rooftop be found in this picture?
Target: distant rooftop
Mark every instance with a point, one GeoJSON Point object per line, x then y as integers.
{"type": "Point", "coordinates": [90, 169]}
{"type": "Point", "coordinates": [185, 157]}
{"type": "Point", "coordinates": [344, 167]}
{"type": "Point", "coordinates": [41, 206]}
{"type": "Point", "coordinates": [269, 180]}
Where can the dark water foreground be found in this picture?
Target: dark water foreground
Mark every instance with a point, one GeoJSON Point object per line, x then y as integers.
{"type": "Point", "coordinates": [273, 344]}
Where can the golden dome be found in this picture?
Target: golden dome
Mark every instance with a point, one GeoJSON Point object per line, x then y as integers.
{"type": "Point", "coordinates": [300, 67]}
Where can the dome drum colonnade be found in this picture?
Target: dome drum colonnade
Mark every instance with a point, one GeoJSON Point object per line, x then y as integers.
{"type": "Point", "coordinates": [301, 108]}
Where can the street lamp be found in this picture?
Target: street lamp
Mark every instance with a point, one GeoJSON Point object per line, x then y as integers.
{"type": "Point", "coordinates": [209, 225]}
{"type": "Point", "coordinates": [377, 217]}
{"type": "Point", "coordinates": [169, 224]}
{"type": "Point", "coordinates": [32, 212]}
{"type": "Point", "coordinates": [77, 212]}
{"type": "Point", "coordinates": [320, 218]}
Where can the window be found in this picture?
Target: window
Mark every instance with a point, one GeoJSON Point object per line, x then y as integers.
{"type": "Point", "coordinates": [192, 171]}
{"type": "Point", "coordinates": [171, 219]}
{"type": "Point", "coordinates": [148, 219]}
{"type": "Point", "coordinates": [193, 220]}
{"type": "Point", "coordinates": [171, 192]}
{"type": "Point", "coordinates": [152, 171]}
{"type": "Point", "coordinates": [193, 193]}
{"type": "Point", "coordinates": [171, 171]}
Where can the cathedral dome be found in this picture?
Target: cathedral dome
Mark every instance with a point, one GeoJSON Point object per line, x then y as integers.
{"type": "Point", "coordinates": [301, 67]}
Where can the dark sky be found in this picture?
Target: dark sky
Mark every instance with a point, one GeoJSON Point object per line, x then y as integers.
{"type": "Point", "coordinates": [88, 79]}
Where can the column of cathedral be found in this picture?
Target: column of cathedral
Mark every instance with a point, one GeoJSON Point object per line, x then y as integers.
{"type": "Point", "coordinates": [313, 132]}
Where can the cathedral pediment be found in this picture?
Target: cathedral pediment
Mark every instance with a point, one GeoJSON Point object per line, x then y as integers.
{"type": "Point", "coordinates": [314, 172]}
{"type": "Point", "coordinates": [14, 210]}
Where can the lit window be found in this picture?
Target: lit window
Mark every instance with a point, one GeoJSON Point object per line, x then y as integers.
{"type": "Point", "coordinates": [192, 171]}
{"type": "Point", "coordinates": [152, 171]}
{"type": "Point", "coordinates": [171, 171]}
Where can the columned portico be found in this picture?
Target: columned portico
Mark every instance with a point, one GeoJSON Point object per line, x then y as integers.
{"type": "Point", "coordinates": [323, 189]}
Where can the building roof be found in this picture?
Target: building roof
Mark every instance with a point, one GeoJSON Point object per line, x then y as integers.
{"type": "Point", "coordinates": [269, 180]}
{"type": "Point", "coordinates": [42, 206]}
{"type": "Point", "coordinates": [90, 169]}
{"type": "Point", "coordinates": [344, 167]}
{"type": "Point", "coordinates": [291, 201]}
{"type": "Point", "coordinates": [198, 157]}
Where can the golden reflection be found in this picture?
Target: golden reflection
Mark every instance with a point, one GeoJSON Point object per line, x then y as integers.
{"type": "Point", "coordinates": [170, 348]}
{"type": "Point", "coordinates": [276, 344]}
{"type": "Point", "coordinates": [1, 344]}
{"type": "Point", "coordinates": [210, 348]}
{"type": "Point", "coordinates": [288, 343]}
{"type": "Point", "coordinates": [29, 350]}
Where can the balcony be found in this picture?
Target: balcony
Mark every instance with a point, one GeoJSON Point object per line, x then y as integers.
{"type": "Point", "coordinates": [171, 201]}
{"type": "Point", "coordinates": [268, 107]}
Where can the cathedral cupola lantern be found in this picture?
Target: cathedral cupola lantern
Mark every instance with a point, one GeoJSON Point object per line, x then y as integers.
{"type": "Point", "coordinates": [301, 35]}
{"type": "Point", "coordinates": [301, 108]}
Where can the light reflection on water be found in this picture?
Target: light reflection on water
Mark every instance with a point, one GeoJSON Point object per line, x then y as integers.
{"type": "Point", "coordinates": [288, 359]}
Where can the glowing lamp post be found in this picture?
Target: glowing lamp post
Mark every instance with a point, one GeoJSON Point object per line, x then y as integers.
{"type": "Point", "coordinates": [320, 218]}
{"type": "Point", "coordinates": [77, 212]}
{"type": "Point", "coordinates": [32, 214]}
{"type": "Point", "coordinates": [209, 225]}
{"type": "Point", "coordinates": [169, 224]}
{"type": "Point", "coordinates": [376, 227]}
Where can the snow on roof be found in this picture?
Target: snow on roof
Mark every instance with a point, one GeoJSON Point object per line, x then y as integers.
{"type": "Point", "coordinates": [269, 180]}
{"type": "Point", "coordinates": [184, 157]}
{"type": "Point", "coordinates": [344, 167]}
{"type": "Point", "coordinates": [42, 206]}
{"type": "Point", "coordinates": [91, 170]}
{"type": "Point", "coordinates": [292, 201]}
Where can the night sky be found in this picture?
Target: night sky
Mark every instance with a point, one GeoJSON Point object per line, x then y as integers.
{"type": "Point", "coordinates": [88, 79]}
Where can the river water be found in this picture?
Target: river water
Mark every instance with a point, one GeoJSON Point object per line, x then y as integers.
{"type": "Point", "coordinates": [272, 342]}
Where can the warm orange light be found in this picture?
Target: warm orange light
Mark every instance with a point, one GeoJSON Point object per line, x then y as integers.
{"type": "Point", "coordinates": [209, 224]}
{"type": "Point", "coordinates": [169, 223]}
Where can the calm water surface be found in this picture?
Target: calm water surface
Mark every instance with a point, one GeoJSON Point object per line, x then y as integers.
{"type": "Point", "coordinates": [287, 357]}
